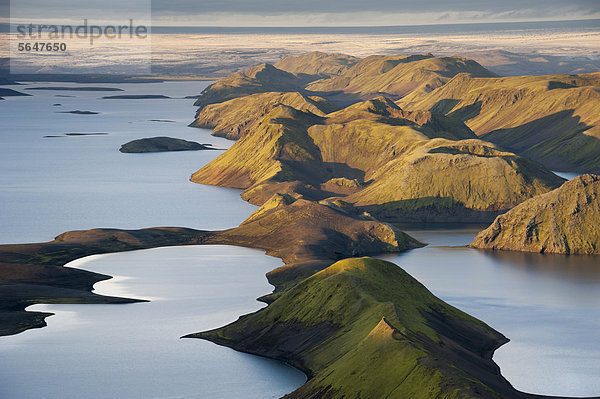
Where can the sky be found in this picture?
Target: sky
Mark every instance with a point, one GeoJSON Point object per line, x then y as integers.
{"type": "Point", "coordinates": [309, 12]}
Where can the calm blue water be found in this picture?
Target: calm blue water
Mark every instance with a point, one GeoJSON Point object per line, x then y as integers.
{"type": "Point", "coordinates": [134, 351]}
{"type": "Point", "coordinates": [51, 185]}
{"type": "Point", "coordinates": [547, 305]}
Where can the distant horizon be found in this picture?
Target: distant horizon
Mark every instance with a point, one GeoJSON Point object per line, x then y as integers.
{"type": "Point", "coordinates": [385, 26]}
{"type": "Point", "coordinates": [505, 22]}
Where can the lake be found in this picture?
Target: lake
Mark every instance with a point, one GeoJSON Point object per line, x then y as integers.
{"type": "Point", "coordinates": [547, 305]}
{"type": "Point", "coordinates": [54, 184]}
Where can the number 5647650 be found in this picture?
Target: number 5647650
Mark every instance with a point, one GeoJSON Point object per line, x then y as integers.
{"type": "Point", "coordinates": [42, 46]}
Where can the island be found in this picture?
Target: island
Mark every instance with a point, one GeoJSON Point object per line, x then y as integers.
{"type": "Point", "coordinates": [162, 144]}
{"type": "Point", "coordinates": [136, 97]}
{"type": "Point", "coordinates": [75, 88]}
{"type": "Point", "coordinates": [364, 328]}
{"type": "Point", "coordinates": [79, 112]}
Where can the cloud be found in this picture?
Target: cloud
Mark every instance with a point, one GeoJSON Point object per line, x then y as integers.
{"type": "Point", "coordinates": [332, 6]}
{"type": "Point", "coordinates": [316, 12]}
{"type": "Point", "coordinates": [360, 12]}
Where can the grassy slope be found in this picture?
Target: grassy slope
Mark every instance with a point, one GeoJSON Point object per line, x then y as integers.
{"type": "Point", "coordinates": [566, 221]}
{"type": "Point", "coordinates": [233, 118]}
{"type": "Point", "coordinates": [471, 173]}
{"type": "Point", "coordinates": [363, 328]}
{"type": "Point", "coordinates": [278, 137]}
{"type": "Point", "coordinates": [552, 119]}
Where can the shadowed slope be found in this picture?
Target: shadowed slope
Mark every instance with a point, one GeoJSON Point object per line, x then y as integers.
{"type": "Point", "coordinates": [552, 119]}
{"type": "Point", "coordinates": [308, 236]}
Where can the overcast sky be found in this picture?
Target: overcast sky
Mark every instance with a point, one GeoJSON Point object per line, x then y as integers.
{"type": "Point", "coordinates": [318, 12]}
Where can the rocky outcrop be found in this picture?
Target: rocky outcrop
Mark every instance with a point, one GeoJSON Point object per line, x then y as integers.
{"type": "Point", "coordinates": [563, 221]}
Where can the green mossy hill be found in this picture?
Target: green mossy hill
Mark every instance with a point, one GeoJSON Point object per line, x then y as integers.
{"type": "Point", "coordinates": [308, 236]}
{"type": "Point", "coordinates": [34, 273]}
{"type": "Point", "coordinates": [232, 119]}
{"type": "Point", "coordinates": [316, 65]}
{"type": "Point", "coordinates": [364, 328]}
{"type": "Point", "coordinates": [563, 221]}
{"type": "Point", "coordinates": [398, 75]}
{"type": "Point", "coordinates": [402, 170]}
{"type": "Point", "coordinates": [442, 180]}
{"type": "Point", "coordinates": [161, 144]}
{"type": "Point", "coordinates": [259, 79]}
{"type": "Point", "coordinates": [552, 119]}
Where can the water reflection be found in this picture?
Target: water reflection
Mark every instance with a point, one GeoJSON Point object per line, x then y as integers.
{"type": "Point", "coordinates": [580, 268]}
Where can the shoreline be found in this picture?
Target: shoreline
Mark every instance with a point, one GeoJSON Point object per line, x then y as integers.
{"type": "Point", "coordinates": [122, 337]}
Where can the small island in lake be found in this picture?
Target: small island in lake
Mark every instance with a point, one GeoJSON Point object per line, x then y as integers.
{"type": "Point", "coordinates": [136, 97]}
{"type": "Point", "coordinates": [79, 112]}
{"type": "Point", "coordinates": [162, 144]}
